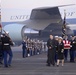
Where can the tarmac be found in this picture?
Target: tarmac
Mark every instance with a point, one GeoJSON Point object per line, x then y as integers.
{"type": "Point", "coordinates": [35, 65]}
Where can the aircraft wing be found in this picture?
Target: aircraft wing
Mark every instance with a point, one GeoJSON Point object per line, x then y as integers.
{"type": "Point", "coordinates": [41, 17]}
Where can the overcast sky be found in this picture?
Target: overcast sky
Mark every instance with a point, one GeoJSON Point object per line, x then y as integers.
{"type": "Point", "coordinates": [24, 7]}
{"type": "Point", "coordinates": [32, 3]}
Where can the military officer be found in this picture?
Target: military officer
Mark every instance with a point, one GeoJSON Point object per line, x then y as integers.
{"type": "Point", "coordinates": [73, 48]}
{"type": "Point", "coordinates": [6, 43]}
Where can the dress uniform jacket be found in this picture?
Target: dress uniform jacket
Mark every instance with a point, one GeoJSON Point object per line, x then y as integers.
{"type": "Point", "coordinates": [6, 42]}
{"type": "Point", "coordinates": [73, 44]}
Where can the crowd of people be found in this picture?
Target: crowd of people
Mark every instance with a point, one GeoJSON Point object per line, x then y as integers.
{"type": "Point", "coordinates": [59, 48]}
{"type": "Point", "coordinates": [31, 47]}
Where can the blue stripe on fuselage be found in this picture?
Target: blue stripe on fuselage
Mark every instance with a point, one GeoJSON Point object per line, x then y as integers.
{"type": "Point", "coordinates": [71, 21]}
{"type": "Point", "coordinates": [6, 23]}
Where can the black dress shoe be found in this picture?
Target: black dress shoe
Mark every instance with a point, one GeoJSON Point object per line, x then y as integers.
{"type": "Point", "coordinates": [47, 65]}
{"type": "Point", "coordinates": [1, 63]}
{"type": "Point", "coordinates": [53, 64]}
{"type": "Point", "coordinates": [57, 65]}
{"type": "Point", "coordinates": [72, 61]}
{"type": "Point", "coordinates": [9, 65]}
{"type": "Point", "coordinates": [6, 66]}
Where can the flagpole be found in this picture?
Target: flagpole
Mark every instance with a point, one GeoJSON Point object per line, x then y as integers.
{"type": "Point", "coordinates": [64, 25]}
{"type": "Point", "coordinates": [0, 22]}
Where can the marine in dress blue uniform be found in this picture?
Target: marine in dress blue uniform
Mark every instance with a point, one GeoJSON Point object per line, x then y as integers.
{"type": "Point", "coordinates": [6, 43]}
{"type": "Point", "coordinates": [24, 52]}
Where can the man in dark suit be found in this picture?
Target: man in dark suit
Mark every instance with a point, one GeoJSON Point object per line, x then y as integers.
{"type": "Point", "coordinates": [51, 51]}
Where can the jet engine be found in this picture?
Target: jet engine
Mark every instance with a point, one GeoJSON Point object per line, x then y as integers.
{"type": "Point", "coordinates": [17, 32]}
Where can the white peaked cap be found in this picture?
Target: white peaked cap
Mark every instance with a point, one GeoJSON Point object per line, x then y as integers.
{"type": "Point", "coordinates": [7, 32]}
{"type": "Point", "coordinates": [56, 36]}
{"type": "Point", "coordinates": [60, 38]}
{"type": "Point", "coordinates": [1, 35]}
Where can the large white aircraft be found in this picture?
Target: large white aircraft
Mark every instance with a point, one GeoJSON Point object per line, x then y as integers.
{"type": "Point", "coordinates": [37, 17]}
